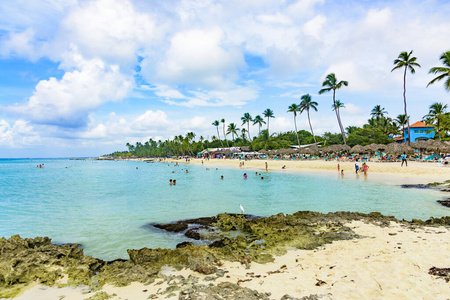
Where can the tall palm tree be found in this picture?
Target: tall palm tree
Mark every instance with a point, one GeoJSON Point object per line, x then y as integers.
{"type": "Point", "coordinates": [401, 121]}
{"type": "Point", "coordinates": [216, 123]}
{"type": "Point", "coordinates": [307, 104]}
{"type": "Point", "coordinates": [268, 113]}
{"type": "Point", "coordinates": [243, 132]}
{"type": "Point", "coordinates": [407, 61]}
{"type": "Point", "coordinates": [258, 120]}
{"type": "Point", "coordinates": [189, 137]}
{"type": "Point", "coordinates": [378, 112]}
{"type": "Point", "coordinates": [435, 116]}
{"type": "Point", "coordinates": [224, 134]}
{"type": "Point", "coordinates": [445, 57]}
{"type": "Point", "coordinates": [331, 84]}
{"type": "Point", "coordinates": [233, 129]}
{"type": "Point", "coordinates": [247, 118]}
{"type": "Point", "coordinates": [294, 108]}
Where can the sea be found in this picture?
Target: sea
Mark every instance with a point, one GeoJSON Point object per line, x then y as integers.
{"type": "Point", "coordinates": [108, 206]}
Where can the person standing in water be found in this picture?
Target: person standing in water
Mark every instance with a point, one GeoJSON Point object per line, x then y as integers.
{"type": "Point", "coordinates": [267, 167]}
{"type": "Point", "coordinates": [365, 169]}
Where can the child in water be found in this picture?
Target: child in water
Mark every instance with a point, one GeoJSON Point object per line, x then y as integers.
{"type": "Point", "coordinates": [245, 175]}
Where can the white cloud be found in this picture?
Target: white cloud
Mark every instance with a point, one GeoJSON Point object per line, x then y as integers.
{"type": "Point", "coordinates": [315, 26]}
{"type": "Point", "coordinates": [19, 135]}
{"type": "Point", "coordinates": [68, 101]}
{"type": "Point", "coordinates": [198, 58]}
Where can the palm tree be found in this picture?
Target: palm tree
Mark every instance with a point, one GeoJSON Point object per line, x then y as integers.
{"type": "Point", "coordinates": [216, 123]}
{"type": "Point", "coordinates": [243, 132]}
{"type": "Point", "coordinates": [401, 121]}
{"type": "Point", "coordinates": [436, 113]}
{"type": "Point", "coordinates": [332, 84]}
{"type": "Point", "coordinates": [189, 137]}
{"type": "Point", "coordinates": [224, 134]}
{"type": "Point", "coordinates": [408, 61]}
{"type": "Point", "coordinates": [247, 118]}
{"type": "Point", "coordinates": [295, 108]}
{"type": "Point", "coordinates": [268, 113]}
{"type": "Point", "coordinates": [378, 112]}
{"type": "Point", "coordinates": [337, 105]}
{"type": "Point", "coordinates": [233, 129]}
{"type": "Point", "coordinates": [307, 104]}
{"type": "Point", "coordinates": [258, 120]}
{"type": "Point", "coordinates": [445, 57]}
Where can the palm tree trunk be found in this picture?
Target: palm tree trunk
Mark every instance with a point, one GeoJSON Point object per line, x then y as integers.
{"type": "Point", "coordinates": [311, 127]}
{"type": "Point", "coordinates": [218, 135]}
{"type": "Point", "coordinates": [248, 131]}
{"type": "Point", "coordinates": [296, 131]}
{"type": "Point", "coordinates": [404, 100]}
{"type": "Point", "coordinates": [224, 135]}
{"type": "Point", "coordinates": [268, 126]}
{"type": "Point", "coordinates": [336, 110]}
{"type": "Point", "coordinates": [438, 129]}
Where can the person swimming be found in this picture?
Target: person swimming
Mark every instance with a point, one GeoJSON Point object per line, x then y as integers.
{"type": "Point", "coordinates": [245, 175]}
{"type": "Point", "coordinates": [221, 177]}
{"type": "Point", "coordinates": [170, 182]}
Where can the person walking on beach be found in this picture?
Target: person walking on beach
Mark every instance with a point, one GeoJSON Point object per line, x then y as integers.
{"type": "Point", "coordinates": [356, 166]}
{"type": "Point", "coordinates": [404, 157]}
{"type": "Point", "coordinates": [267, 167]}
{"type": "Point", "coordinates": [339, 167]}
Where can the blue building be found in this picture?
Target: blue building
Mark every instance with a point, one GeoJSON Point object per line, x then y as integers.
{"type": "Point", "coordinates": [419, 132]}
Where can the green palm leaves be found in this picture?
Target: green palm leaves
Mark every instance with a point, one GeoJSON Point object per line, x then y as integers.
{"type": "Point", "coordinates": [443, 71]}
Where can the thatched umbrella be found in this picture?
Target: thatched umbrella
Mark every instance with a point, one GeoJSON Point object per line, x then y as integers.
{"type": "Point", "coordinates": [263, 151]}
{"type": "Point", "coordinates": [357, 149]}
{"type": "Point", "coordinates": [396, 148]}
{"type": "Point", "coordinates": [312, 150]}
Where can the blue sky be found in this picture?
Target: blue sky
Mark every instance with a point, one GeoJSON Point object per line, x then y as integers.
{"type": "Point", "coordinates": [84, 77]}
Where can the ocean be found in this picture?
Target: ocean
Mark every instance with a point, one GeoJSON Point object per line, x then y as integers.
{"type": "Point", "coordinates": [106, 206]}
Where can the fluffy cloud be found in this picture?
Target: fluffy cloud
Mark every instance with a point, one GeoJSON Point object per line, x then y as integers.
{"type": "Point", "coordinates": [19, 135]}
{"type": "Point", "coordinates": [67, 102]}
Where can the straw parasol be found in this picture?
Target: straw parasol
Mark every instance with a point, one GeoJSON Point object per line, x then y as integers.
{"type": "Point", "coordinates": [263, 151]}
{"type": "Point", "coordinates": [396, 148]}
{"type": "Point", "coordinates": [357, 149]}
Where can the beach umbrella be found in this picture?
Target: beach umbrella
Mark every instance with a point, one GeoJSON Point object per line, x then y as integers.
{"type": "Point", "coordinates": [396, 148]}
{"type": "Point", "coordinates": [357, 149]}
{"type": "Point", "coordinates": [263, 151]}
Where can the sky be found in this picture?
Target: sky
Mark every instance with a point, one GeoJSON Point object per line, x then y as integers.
{"type": "Point", "coordinates": [82, 78]}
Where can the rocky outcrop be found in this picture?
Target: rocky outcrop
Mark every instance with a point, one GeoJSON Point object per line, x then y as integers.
{"type": "Point", "coordinates": [240, 238]}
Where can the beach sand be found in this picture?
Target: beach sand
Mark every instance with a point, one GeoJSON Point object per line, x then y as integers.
{"type": "Point", "coordinates": [387, 263]}
{"type": "Point", "coordinates": [415, 172]}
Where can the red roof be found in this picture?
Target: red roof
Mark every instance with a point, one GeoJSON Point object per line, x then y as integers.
{"type": "Point", "coordinates": [419, 124]}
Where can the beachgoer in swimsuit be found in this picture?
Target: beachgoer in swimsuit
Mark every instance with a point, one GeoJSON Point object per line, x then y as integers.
{"type": "Point", "coordinates": [404, 157]}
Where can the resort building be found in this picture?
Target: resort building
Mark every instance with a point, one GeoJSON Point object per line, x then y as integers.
{"type": "Point", "coordinates": [419, 132]}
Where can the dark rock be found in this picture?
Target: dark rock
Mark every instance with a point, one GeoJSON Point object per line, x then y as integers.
{"type": "Point", "coordinates": [184, 244]}
{"type": "Point", "coordinates": [440, 272]}
{"type": "Point", "coordinates": [445, 202]}
{"type": "Point", "coordinates": [193, 234]}
{"type": "Point", "coordinates": [224, 290]}
{"type": "Point", "coordinates": [417, 186]}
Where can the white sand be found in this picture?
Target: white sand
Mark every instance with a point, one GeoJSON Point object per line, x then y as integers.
{"type": "Point", "coordinates": [389, 263]}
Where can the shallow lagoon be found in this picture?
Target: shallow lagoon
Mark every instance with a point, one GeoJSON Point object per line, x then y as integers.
{"type": "Point", "coordinates": [105, 205]}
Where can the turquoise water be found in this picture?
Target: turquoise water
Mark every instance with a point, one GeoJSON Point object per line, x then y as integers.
{"type": "Point", "coordinates": [105, 205]}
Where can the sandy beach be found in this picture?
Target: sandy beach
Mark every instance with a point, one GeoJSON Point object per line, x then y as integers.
{"type": "Point", "coordinates": [387, 263]}
{"type": "Point", "coordinates": [392, 172]}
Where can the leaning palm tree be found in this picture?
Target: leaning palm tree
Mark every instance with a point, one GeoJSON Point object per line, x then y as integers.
{"type": "Point", "coordinates": [401, 121]}
{"type": "Point", "coordinates": [337, 106]}
{"type": "Point", "coordinates": [445, 71]}
{"type": "Point", "coordinates": [258, 120]}
{"type": "Point", "coordinates": [407, 61]}
{"type": "Point", "coordinates": [268, 113]}
{"type": "Point", "coordinates": [378, 112]}
{"type": "Point", "coordinates": [247, 118]}
{"type": "Point", "coordinates": [216, 123]}
{"type": "Point", "coordinates": [224, 134]}
{"type": "Point", "coordinates": [307, 104]}
{"type": "Point", "coordinates": [331, 84]}
{"type": "Point", "coordinates": [233, 129]}
{"type": "Point", "coordinates": [435, 115]}
{"type": "Point", "coordinates": [295, 108]}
